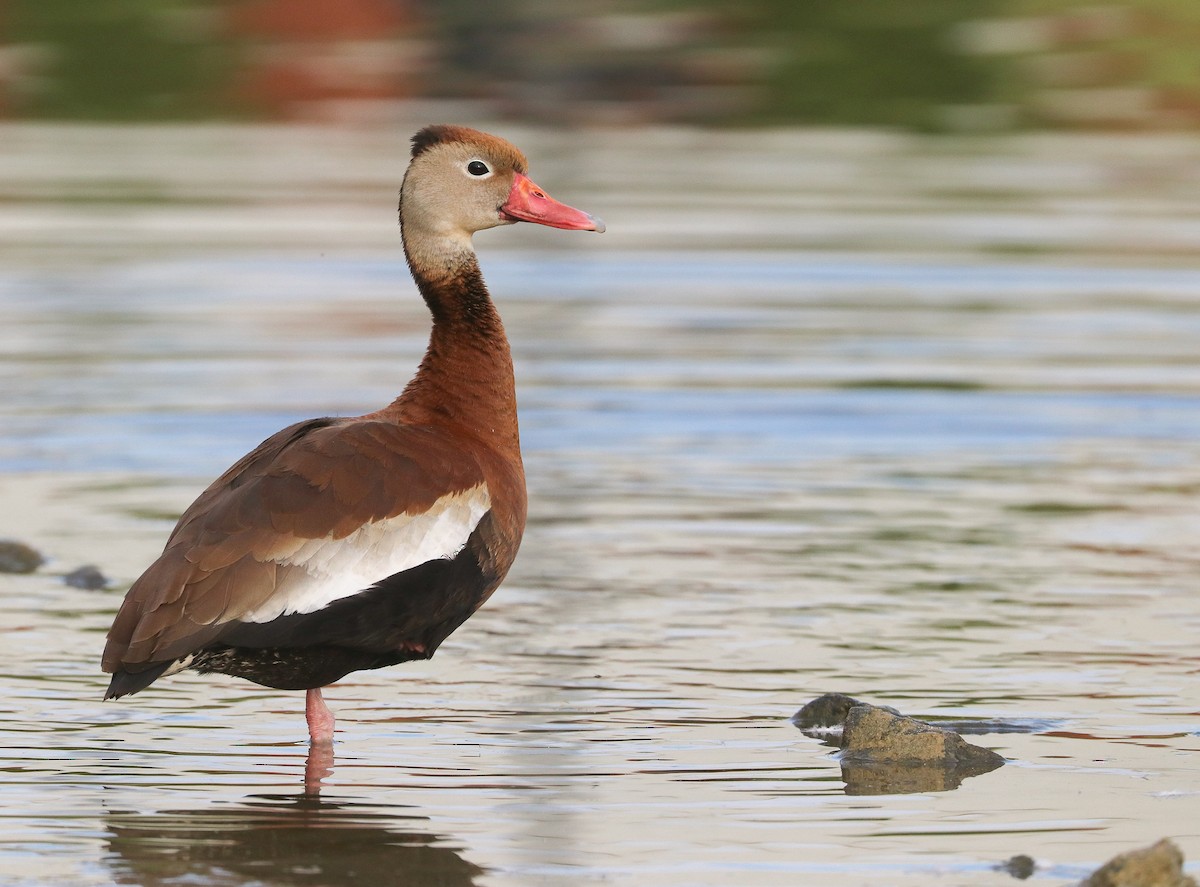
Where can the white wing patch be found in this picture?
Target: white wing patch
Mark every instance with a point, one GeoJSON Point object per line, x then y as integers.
{"type": "Point", "coordinates": [338, 568]}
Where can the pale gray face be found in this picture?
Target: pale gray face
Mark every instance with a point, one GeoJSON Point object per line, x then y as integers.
{"type": "Point", "coordinates": [454, 189]}
{"type": "Point", "coordinates": [473, 181]}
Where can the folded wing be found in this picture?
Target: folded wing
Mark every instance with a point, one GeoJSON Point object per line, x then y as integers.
{"type": "Point", "coordinates": [319, 511]}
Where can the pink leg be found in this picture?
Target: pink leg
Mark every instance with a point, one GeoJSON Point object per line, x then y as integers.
{"type": "Point", "coordinates": [320, 719]}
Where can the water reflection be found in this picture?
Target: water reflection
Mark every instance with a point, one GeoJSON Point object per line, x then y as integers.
{"type": "Point", "coordinates": [724, 522]}
{"type": "Point", "coordinates": [317, 766]}
{"type": "Point", "coordinates": [901, 779]}
{"type": "Point", "coordinates": [278, 841]}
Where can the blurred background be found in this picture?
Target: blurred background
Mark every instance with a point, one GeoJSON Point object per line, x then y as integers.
{"type": "Point", "coordinates": [1037, 125]}
{"type": "Point", "coordinates": [928, 65]}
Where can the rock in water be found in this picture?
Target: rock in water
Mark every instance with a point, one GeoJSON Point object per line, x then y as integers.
{"type": "Point", "coordinates": [17, 557]}
{"type": "Point", "coordinates": [877, 735]}
{"type": "Point", "coordinates": [884, 752]}
{"type": "Point", "coordinates": [88, 576]}
{"type": "Point", "coordinates": [1020, 866]}
{"type": "Point", "coordinates": [1160, 865]}
{"type": "Point", "coordinates": [887, 753]}
{"type": "Point", "coordinates": [826, 711]}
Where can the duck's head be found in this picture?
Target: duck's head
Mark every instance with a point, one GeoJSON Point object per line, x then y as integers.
{"type": "Point", "coordinates": [461, 181]}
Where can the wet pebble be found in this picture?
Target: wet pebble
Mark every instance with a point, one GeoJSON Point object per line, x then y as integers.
{"type": "Point", "coordinates": [17, 557]}
{"type": "Point", "coordinates": [88, 576]}
{"type": "Point", "coordinates": [1019, 866]}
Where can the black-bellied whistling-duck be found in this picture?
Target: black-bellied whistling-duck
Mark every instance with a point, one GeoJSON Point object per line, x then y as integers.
{"type": "Point", "coordinates": [342, 544]}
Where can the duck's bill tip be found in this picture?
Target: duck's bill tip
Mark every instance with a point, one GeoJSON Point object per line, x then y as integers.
{"type": "Point", "coordinates": [529, 203]}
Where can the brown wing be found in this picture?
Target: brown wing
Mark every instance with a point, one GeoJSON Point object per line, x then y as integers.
{"type": "Point", "coordinates": [319, 479]}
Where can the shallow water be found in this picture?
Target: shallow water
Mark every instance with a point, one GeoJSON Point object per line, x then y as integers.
{"type": "Point", "coordinates": [970, 491]}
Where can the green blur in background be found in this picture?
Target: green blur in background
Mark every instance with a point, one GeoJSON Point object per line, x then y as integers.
{"type": "Point", "coordinates": [927, 65]}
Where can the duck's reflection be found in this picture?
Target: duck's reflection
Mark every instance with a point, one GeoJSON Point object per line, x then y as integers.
{"type": "Point", "coordinates": [277, 841]}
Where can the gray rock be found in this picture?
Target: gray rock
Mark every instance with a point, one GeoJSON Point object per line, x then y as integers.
{"type": "Point", "coordinates": [1160, 865]}
{"type": "Point", "coordinates": [826, 711]}
{"type": "Point", "coordinates": [1019, 866]}
{"type": "Point", "coordinates": [88, 576]}
{"type": "Point", "coordinates": [17, 557]}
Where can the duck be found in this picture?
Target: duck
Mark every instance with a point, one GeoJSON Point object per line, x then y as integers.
{"type": "Point", "coordinates": [342, 544]}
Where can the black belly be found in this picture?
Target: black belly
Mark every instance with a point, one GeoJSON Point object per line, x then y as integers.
{"type": "Point", "coordinates": [403, 617]}
{"type": "Point", "coordinates": [288, 668]}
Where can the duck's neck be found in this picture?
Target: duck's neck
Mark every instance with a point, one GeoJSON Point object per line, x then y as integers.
{"type": "Point", "coordinates": [466, 377]}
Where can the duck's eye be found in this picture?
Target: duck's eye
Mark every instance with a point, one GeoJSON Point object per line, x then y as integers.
{"type": "Point", "coordinates": [478, 168]}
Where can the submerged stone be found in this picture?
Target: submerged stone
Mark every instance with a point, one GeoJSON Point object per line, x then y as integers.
{"type": "Point", "coordinates": [17, 557]}
{"type": "Point", "coordinates": [826, 711]}
{"type": "Point", "coordinates": [1001, 725]}
{"type": "Point", "coordinates": [1019, 866]}
{"type": "Point", "coordinates": [88, 576]}
{"type": "Point", "coordinates": [1160, 865]}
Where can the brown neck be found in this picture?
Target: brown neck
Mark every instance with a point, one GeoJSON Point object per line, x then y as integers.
{"type": "Point", "coordinates": [466, 377]}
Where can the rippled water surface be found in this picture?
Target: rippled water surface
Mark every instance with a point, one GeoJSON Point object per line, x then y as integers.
{"type": "Point", "coordinates": [970, 491]}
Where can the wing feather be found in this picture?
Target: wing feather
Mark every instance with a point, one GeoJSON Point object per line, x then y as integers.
{"type": "Point", "coordinates": [239, 548]}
